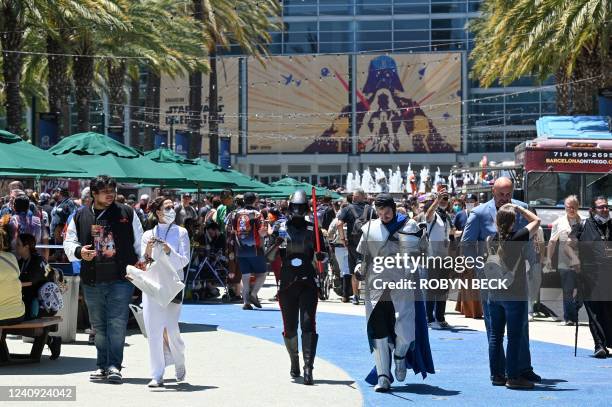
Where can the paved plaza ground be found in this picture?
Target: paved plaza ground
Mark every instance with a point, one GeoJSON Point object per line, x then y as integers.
{"type": "Point", "coordinates": [236, 358]}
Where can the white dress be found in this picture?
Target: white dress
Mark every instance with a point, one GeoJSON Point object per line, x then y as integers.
{"type": "Point", "coordinates": [158, 318]}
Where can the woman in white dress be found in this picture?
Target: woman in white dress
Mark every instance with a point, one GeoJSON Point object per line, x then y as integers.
{"type": "Point", "coordinates": [161, 323]}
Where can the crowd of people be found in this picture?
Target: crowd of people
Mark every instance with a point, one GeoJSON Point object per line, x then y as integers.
{"type": "Point", "coordinates": [298, 240]}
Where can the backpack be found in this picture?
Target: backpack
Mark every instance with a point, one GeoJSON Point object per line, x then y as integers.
{"type": "Point", "coordinates": [494, 267]}
{"type": "Point", "coordinates": [359, 221]}
{"type": "Point", "coordinates": [321, 209]}
{"type": "Point", "coordinates": [63, 211]}
{"type": "Point", "coordinates": [246, 225]}
{"type": "Point", "coordinates": [50, 297]}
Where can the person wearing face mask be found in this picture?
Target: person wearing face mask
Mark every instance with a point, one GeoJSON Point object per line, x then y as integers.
{"type": "Point", "coordinates": [298, 287]}
{"type": "Point", "coordinates": [162, 322]}
{"type": "Point", "coordinates": [592, 263]}
{"type": "Point", "coordinates": [396, 317]}
{"type": "Point", "coordinates": [439, 230]}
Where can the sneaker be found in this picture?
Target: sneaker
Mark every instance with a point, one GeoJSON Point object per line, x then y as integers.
{"type": "Point", "coordinates": [100, 374]}
{"type": "Point", "coordinates": [444, 325]}
{"type": "Point", "coordinates": [532, 377]}
{"type": "Point", "coordinates": [355, 300]}
{"type": "Point", "coordinates": [247, 307]}
{"type": "Point", "coordinates": [180, 374]}
{"type": "Point", "coordinates": [253, 299]}
{"type": "Point", "coordinates": [114, 375]}
{"type": "Point", "coordinates": [155, 383]}
{"type": "Point", "coordinates": [519, 384]}
{"type": "Point", "coordinates": [498, 380]}
{"type": "Point", "coordinates": [435, 325]}
{"type": "Point", "coordinates": [600, 353]}
{"type": "Point", "coordinates": [530, 318]}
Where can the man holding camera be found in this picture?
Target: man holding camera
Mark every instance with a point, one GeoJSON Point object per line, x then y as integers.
{"type": "Point", "coordinates": [439, 230]}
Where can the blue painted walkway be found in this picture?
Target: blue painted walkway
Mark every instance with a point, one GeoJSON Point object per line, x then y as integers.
{"type": "Point", "coordinates": [460, 357]}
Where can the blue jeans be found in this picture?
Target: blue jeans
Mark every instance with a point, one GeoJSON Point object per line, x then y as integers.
{"type": "Point", "coordinates": [517, 359]}
{"type": "Point", "coordinates": [570, 306]}
{"type": "Point", "coordinates": [107, 304]}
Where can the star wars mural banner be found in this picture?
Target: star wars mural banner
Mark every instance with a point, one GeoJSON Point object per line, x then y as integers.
{"type": "Point", "coordinates": [409, 103]}
{"type": "Point", "coordinates": [174, 103]}
{"type": "Point", "coordinates": [295, 104]}
{"type": "Point", "coordinates": [404, 103]}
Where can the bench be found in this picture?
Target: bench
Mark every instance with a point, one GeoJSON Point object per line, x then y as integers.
{"type": "Point", "coordinates": [36, 328]}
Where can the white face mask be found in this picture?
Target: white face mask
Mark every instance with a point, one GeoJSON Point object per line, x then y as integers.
{"type": "Point", "coordinates": [469, 206]}
{"type": "Point", "coordinates": [169, 215]}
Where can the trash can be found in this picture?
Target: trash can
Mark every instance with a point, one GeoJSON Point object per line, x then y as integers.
{"type": "Point", "coordinates": [68, 327]}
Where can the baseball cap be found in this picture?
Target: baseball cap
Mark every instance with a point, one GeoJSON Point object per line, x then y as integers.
{"type": "Point", "coordinates": [144, 197]}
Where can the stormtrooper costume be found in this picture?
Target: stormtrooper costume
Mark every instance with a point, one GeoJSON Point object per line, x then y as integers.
{"type": "Point", "coordinates": [158, 318]}
{"type": "Point", "coordinates": [396, 320]}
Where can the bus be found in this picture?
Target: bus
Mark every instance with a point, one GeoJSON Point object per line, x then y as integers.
{"type": "Point", "coordinates": [570, 156]}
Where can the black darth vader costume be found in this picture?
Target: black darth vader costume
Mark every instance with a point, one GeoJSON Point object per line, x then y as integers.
{"type": "Point", "coordinates": [298, 288]}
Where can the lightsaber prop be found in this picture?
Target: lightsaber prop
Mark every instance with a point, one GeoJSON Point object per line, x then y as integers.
{"type": "Point", "coordinates": [316, 227]}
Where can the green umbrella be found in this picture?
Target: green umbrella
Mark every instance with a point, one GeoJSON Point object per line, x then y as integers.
{"type": "Point", "coordinates": [99, 154]}
{"type": "Point", "coordinates": [288, 185]}
{"type": "Point", "coordinates": [18, 157]}
{"type": "Point", "coordinates": [196, 173]}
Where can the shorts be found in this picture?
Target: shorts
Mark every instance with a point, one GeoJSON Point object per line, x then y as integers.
{"type": "Point", "coordinates": [342, 259]}
{"type": "Point", "coordinates": [255, 264]}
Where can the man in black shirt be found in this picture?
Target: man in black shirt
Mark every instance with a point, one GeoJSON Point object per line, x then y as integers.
{"type": "Point", "coordinates": [593, 264]}
{"type": "Point", "coordinates": [354, 216]}
{"type": "Point", "coordinates": [326, 213]}
{"type": "Point", "coordinates": [106, 238]}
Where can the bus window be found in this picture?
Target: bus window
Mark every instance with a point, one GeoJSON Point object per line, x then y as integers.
{"type": "Point", "coordinates": [550, 188]}
{"type": "Point", "coordinates": [598, 185]}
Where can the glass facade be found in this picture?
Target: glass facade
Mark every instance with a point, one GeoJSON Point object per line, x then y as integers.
{"type": "Point", "coordinates": [498, 118]}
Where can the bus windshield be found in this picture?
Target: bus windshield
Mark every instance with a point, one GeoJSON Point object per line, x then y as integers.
{"type": "Point", "coordinates": [551, 188]}
{"type": "Point", "coordinates": [598, 185]}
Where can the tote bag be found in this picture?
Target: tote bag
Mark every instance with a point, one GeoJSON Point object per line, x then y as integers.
{"type": "Point", "coordinates": [160, 281]}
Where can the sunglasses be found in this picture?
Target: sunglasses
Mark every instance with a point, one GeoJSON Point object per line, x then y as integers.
{"type": "Point", "coordinates": [600, 207]}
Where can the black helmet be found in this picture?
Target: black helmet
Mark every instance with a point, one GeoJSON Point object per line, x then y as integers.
{"type": "Point", "coordinates": [298, 203]}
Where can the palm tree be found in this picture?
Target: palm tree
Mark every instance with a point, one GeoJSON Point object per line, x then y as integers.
{"type": "Point", "coordinates": [160, 35]}
{"type": "Point", "coordinates": [18, 18]}
{"type": "Point", "coordinates": [228, 23]}
{"type": "Point", "coordinates": [566, 38]}
{"type": "Point", "coordinates": [13, 17]}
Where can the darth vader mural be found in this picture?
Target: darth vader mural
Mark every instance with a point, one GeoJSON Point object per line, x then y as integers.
{"type": "Point", "coordinates": [390, 114]}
